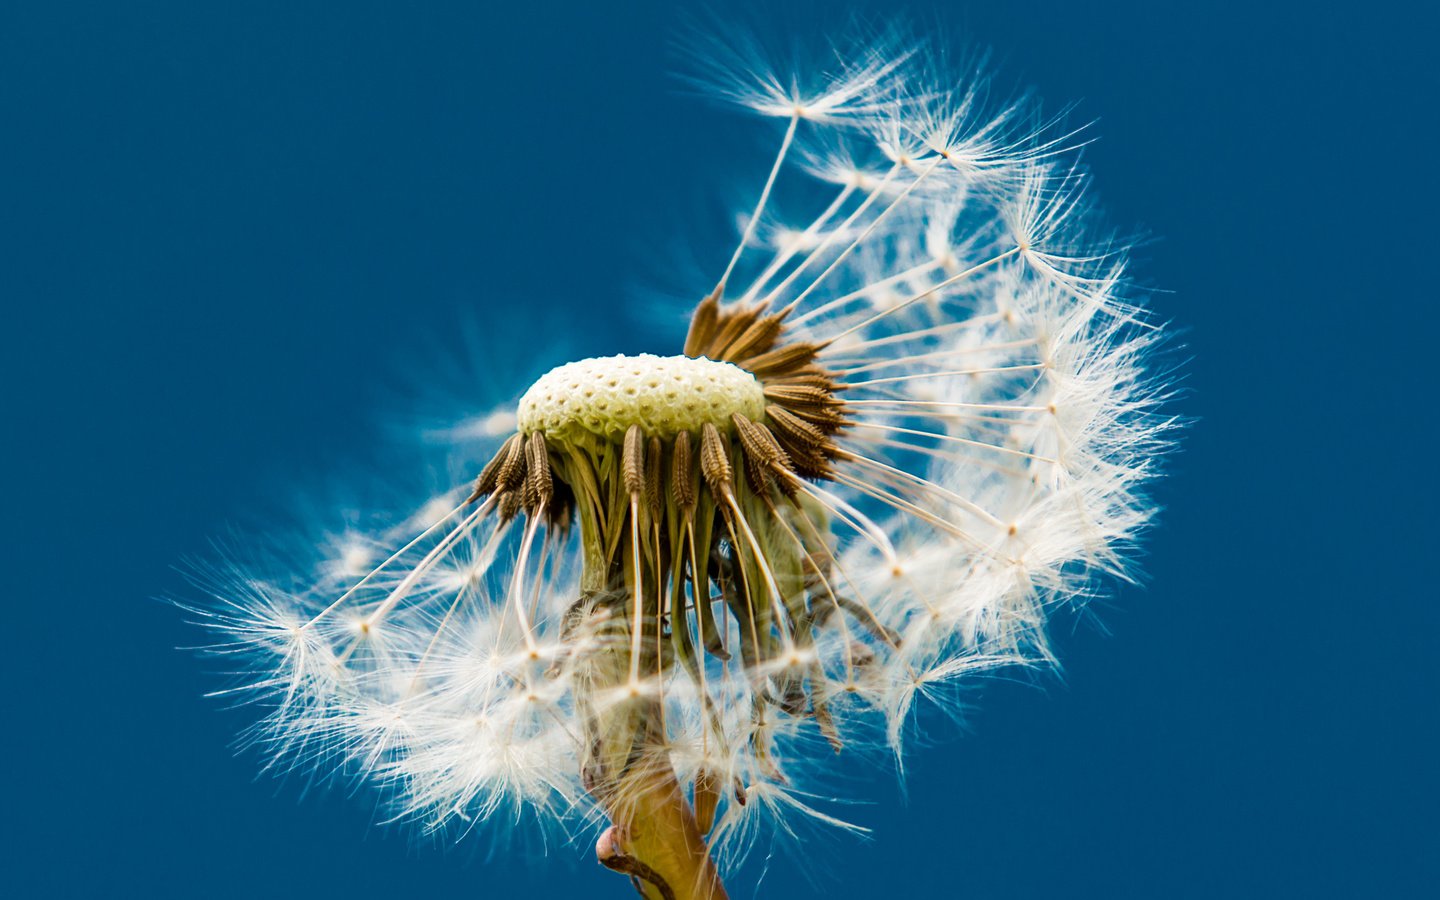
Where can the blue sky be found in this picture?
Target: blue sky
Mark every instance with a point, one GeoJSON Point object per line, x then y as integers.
{"type": "Point", "coordinates": [237, 237]}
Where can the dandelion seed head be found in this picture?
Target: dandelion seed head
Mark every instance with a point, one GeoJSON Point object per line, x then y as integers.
{"type": "Point", "coordinates": [913, 418]}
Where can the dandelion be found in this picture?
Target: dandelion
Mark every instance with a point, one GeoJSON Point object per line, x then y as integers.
{"type": "Point", "coordinates": [898, 433]}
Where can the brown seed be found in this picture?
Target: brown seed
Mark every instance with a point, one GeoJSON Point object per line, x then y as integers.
{"type": "Point", "coordinates": [810, 377]}
{"type": "Point", "coordinates": [632, 461]}
{"type": "Point", "coordinates": [732, 324]}
{"type": "Point", "coordinates": [759, 442]}
{"type": "Point", "coordinates": [764, 458]}
{"type": "Point", "coordinates": [703, 323]}
{"type": "Point", "coordinates": [512, 470]}
{"type": "Point", "coordinates": [714, 461]}
{"type": "Point", "coordinates": [510, 503]}
{"type": "Point", "coordinates": [490, 475]}
{"type": "Point", "coordinates": [828, 421]}
{"type": "Point", "coordinates": [756, 339]}
{"type": "Point", "coordinates": [539, 486]}
{"type": "Point", "coordinates": [782, 360]}
{"type": "Point", "coordinates": [802, 396]}
{"type": "Point", "coordinates": [682, 478]}
{"type": "Point", "coordinates": [788, 424]}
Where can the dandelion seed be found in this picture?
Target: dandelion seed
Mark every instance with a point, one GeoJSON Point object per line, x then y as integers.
{"type": "Point", "coordinates": [894, 437]}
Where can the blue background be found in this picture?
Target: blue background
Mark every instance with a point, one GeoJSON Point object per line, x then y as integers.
{"type": "Point", "coordinates": [231, 236]}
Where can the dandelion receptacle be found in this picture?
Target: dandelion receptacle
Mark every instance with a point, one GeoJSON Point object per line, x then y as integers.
{"type": "Point", "coordinates": [896, 436]}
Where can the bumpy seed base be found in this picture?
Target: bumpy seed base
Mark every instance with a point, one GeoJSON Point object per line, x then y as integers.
{"type": "Point", "coordinates": [664, 395]}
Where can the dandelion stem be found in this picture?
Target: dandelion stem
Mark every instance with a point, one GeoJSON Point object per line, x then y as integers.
{"type": "Point", "coordinates": [656, 841]}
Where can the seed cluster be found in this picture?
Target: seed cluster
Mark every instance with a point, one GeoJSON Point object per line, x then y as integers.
{"type": "Point", "coordinates": [519, 477]}
{"type": "Point", "coordinates": [803, 409]}
{"type": "Point", "coordinates": [625, 399]}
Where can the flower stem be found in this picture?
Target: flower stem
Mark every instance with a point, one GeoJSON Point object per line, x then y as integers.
{"type": "Point", "coordinates": [654, 837]}
{"type": "Point", "coordinates": [655, 840]}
